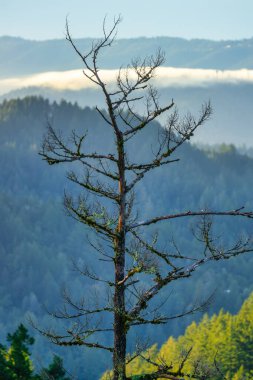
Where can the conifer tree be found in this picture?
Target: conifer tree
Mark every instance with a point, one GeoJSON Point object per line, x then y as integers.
{"type": "Point", "coordinates": [15, 361]}
{"type": "Point", "coordinates": [55, 371]}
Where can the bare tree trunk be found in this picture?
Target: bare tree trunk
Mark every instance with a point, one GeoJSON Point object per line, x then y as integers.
{"type": "Point", "coordinates": [119, 353]}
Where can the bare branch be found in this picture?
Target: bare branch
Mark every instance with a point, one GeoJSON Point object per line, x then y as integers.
{"type": "Point", "coordinates": [99, 189]}
{"type": "Point", "coordinates": [153, 250]}
{"type": "Point", "coordinates": [148, 119]}
{"type": "Point", "coordinates": [185, 272]}
{"type": "Point", "coordinates": [238, 212]}
{"type": "Point", "coordinates": [95, 217]}
{"type": "Point", "coordinates": [73, 338]}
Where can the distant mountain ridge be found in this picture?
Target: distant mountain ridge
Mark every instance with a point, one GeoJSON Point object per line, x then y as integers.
{"type": "Point", "coordinates": [21, 57]}
{"type": "Point", "coordinates": [231, 122]}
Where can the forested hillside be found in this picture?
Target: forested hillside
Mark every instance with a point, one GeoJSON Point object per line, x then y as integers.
{"type": "Point", "coordinates": [38, 240]}
{"type": "Point", "coordinates": [232, 119]}
{"type": "Point", "coordinates": [220, 346]}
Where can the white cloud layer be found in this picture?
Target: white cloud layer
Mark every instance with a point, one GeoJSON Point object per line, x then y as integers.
{"type": "Point", "coordinates": [165, 76]}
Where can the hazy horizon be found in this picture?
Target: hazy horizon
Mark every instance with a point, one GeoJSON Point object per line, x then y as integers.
{"type": "Point", "coordinates": [127, 38]}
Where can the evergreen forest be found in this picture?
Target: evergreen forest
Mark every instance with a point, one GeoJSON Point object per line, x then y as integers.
{"type": "Point", "coordinates": [221, 344]}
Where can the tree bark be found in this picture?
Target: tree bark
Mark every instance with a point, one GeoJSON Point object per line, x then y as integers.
{"type": "Point", "coordinates": [119, 353]}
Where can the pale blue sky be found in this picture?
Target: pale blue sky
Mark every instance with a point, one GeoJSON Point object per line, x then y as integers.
{"type": "Point", "coordinates": [45, 19]}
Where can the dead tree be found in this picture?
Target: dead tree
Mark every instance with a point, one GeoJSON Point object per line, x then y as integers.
{"type": "Point", "coordinates": [112, 178]}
